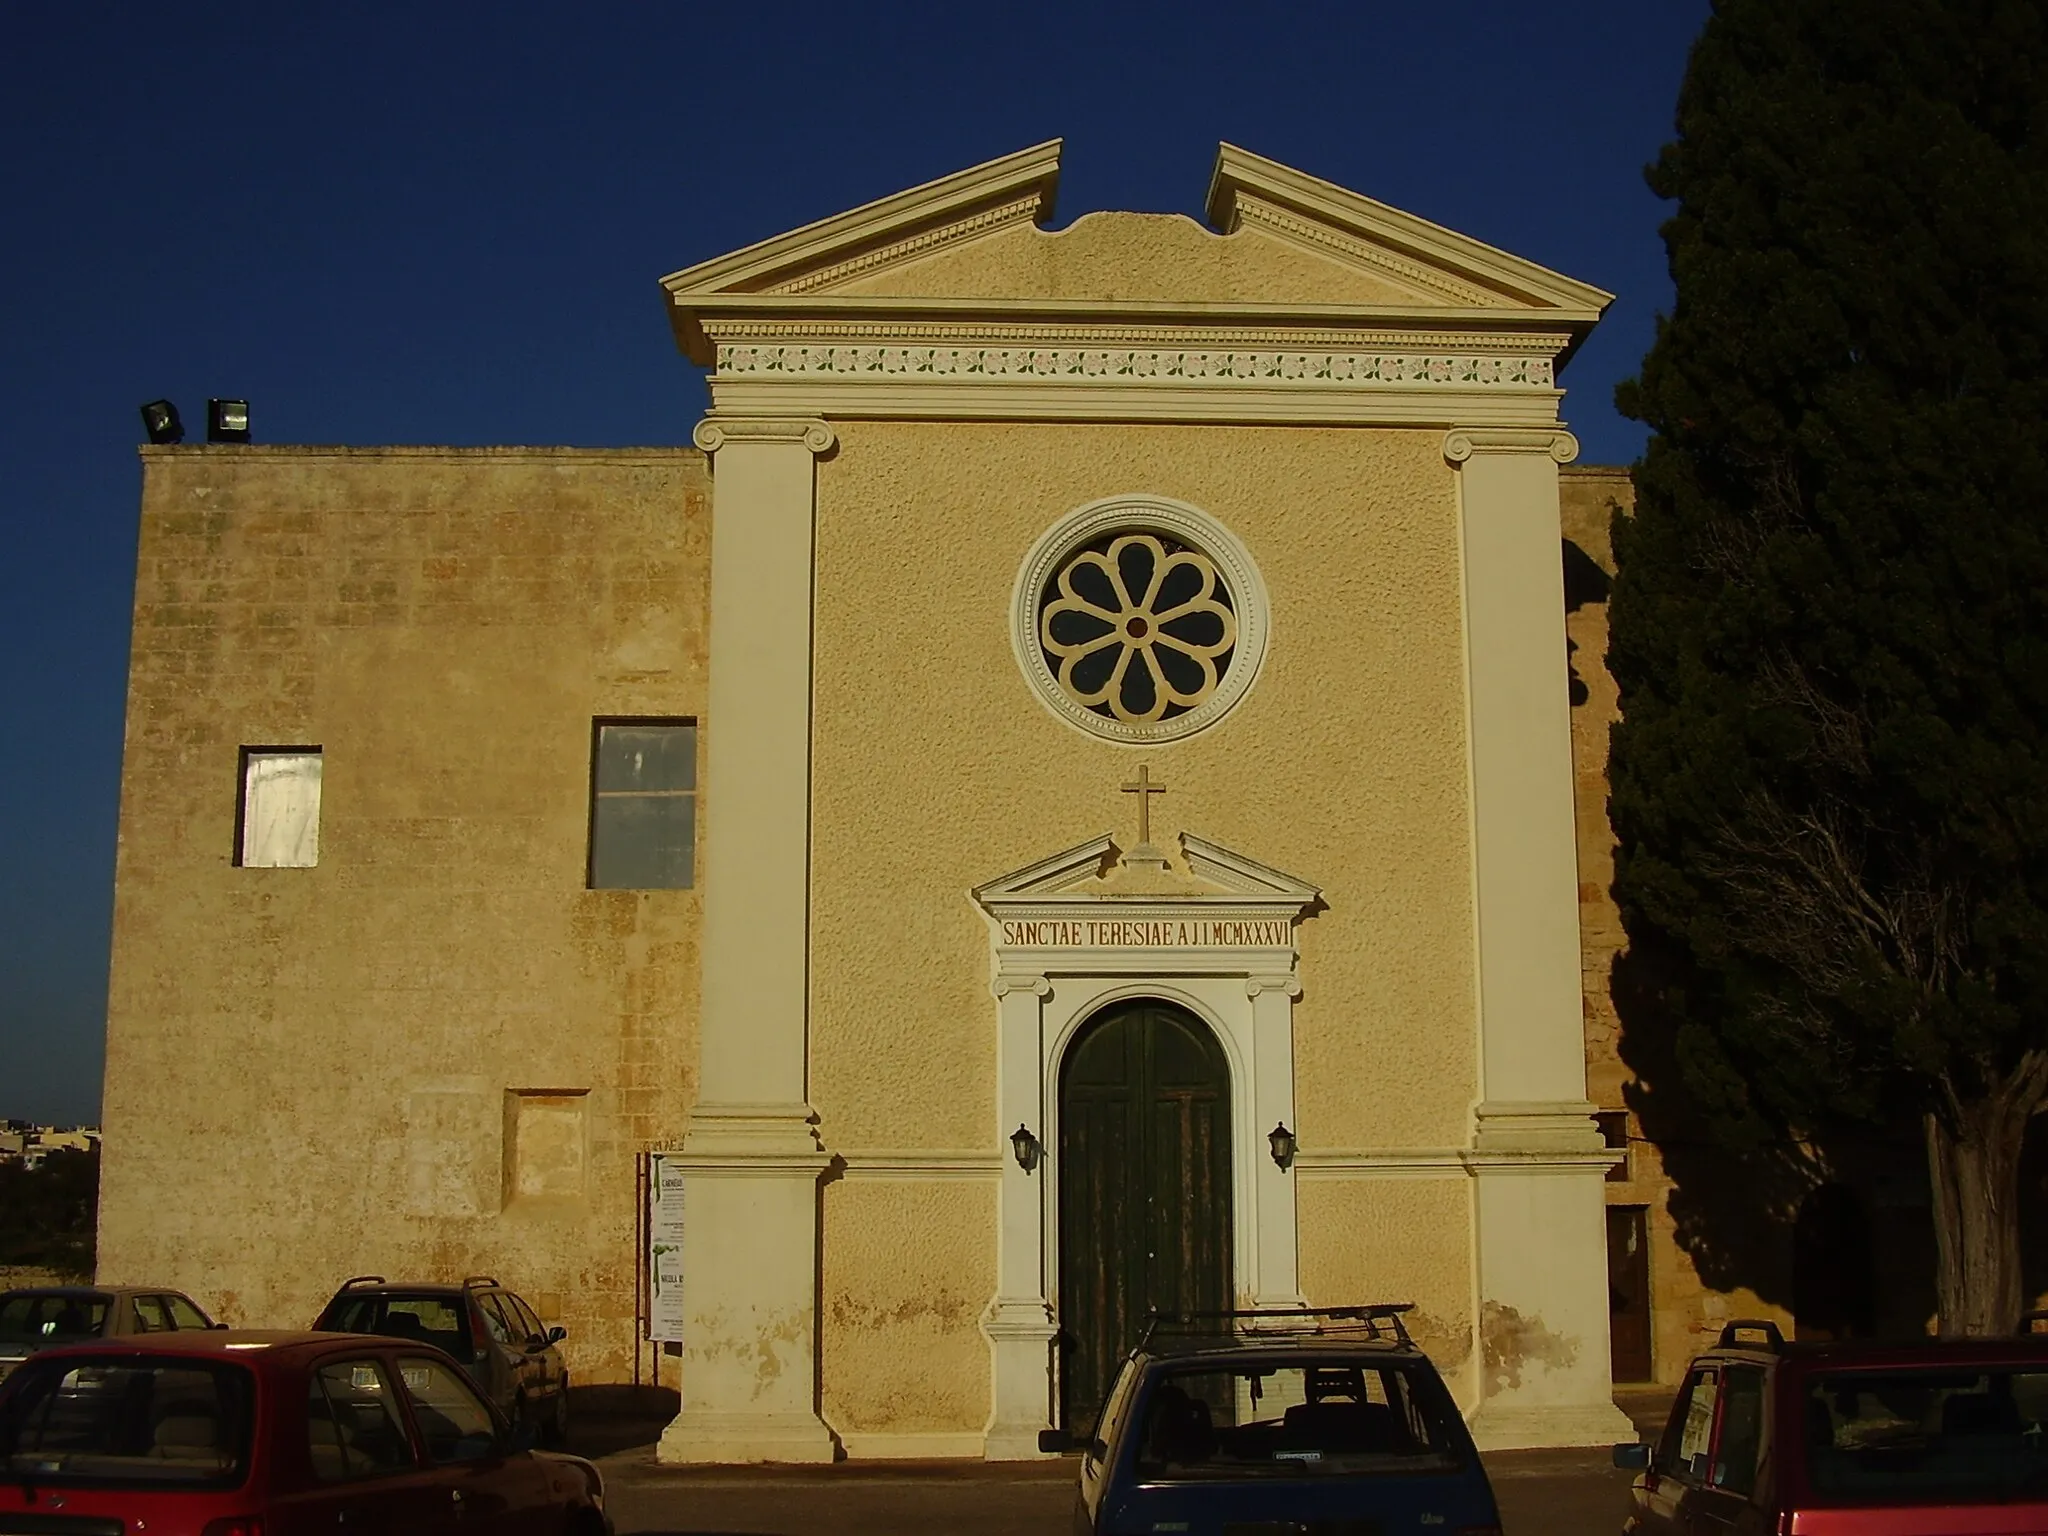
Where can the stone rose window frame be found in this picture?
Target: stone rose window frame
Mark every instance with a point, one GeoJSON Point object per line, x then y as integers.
{"type": "Point", "coordinates": [1138, 515]}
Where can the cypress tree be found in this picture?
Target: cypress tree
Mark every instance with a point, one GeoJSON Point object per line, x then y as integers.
{"type": "Point", "coordinates": [1830, 624]}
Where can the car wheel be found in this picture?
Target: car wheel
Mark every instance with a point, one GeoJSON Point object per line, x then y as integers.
{"type": "Point", "coordinates": [556, 1431]}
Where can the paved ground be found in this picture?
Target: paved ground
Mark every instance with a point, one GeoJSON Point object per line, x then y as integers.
{"type": "Point", "coordinates": [1541, 1493]}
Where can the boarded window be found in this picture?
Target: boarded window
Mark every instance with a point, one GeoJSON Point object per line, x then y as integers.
{"type": "Point", "coordinates": [643, 810]}
{"type": "Point", "coordinates": [545, 1137]}
{"type": "Point", "coordinates": [280, 825]}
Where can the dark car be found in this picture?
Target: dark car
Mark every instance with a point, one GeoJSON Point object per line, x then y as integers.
{"type": "Point", "coordinates": [282, 1434]}
{"type": "Point", "coordinates": [1927, 1437]}
{"type": "Point", "coordinates": [495, 1335]}
{"type": "Point", "coordinates": [1324, 1421]}
{"type": "Point", "coordinates": [42, 1316]}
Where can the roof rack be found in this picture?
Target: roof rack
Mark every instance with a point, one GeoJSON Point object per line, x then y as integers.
{"type": "Point", "coordinates": [1773, 1339]}
{"type": "Point", "coordinates": [1382, 1320]}
{"type": "Point", "coordinates": [469, 1280]}
{"type": "Point", "coordinates": [362, 1280]}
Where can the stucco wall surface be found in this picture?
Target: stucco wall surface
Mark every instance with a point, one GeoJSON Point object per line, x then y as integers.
{"type": "Point", "coordinates": [1397, 1239]}
{"type": "Point", "coordinates": [1134, 256]}
{"type": "Point", "coordinates": [313, 1073]}
{"type": "Point", "coordinates": [909, 1265]}
{"type": "Point", "coordinates": [936, 767]}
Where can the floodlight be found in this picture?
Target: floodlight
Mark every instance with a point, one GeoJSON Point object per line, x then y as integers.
{"type": "Point", "coordinates": [227, 421]}
{"type": "Point", "coordinates": [160, 421]}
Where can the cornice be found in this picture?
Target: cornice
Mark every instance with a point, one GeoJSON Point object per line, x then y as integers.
{"type": "Point", "coordinates": [1022, 210]}
{"type": "Point", "coordinates": [1321, 239]}
{"type": "Point", "coordinates": [736, 314]}
{"type": "Point", "coordinates": [1028, 177]}
{"type": "Point", "coordinates": [745, 331]}
{"type": "Point", "coordinates": [1459, 257]}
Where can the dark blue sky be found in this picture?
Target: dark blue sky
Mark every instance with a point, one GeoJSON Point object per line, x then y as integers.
{"type": "Point", "coordinates": [442, 223]}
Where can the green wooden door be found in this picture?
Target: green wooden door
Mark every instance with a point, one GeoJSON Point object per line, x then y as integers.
{"type": "Point", "coordinates": [1144, 1173]}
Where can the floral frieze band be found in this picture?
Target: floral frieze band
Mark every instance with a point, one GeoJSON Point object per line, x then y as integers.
{"type": "Point", "coordinates": [1110, 363]}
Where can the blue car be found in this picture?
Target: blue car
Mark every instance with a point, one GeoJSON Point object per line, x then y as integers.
{"type": "Point", "coordinates": [1327, 1423]}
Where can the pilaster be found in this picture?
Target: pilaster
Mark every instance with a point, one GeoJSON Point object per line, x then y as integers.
{"type": "Point", "coordinates": [752, 1159]}
{"type": "Point", "coordinates": [1018, 1323]}
{"type": "Point", "coordinates": [1537, 1157]}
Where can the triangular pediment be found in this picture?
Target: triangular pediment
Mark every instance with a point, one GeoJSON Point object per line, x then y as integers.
{"type": "Point", "coordinates": [1095, 871]}
{"type": "Point", "coordinates": [1282, 241]}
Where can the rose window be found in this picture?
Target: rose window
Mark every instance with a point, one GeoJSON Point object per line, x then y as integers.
{"type": "Point", "coordinates": [1138, 628]}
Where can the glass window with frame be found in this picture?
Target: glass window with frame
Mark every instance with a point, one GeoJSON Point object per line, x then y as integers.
{"type": "Point", "coordinates": [529, 1322]}
{"type": "Point", "coordinates": [1316, 1418]}
{"type": "Point", "coordinates": [1689, 1433]}
{"type": "Point", "coordinates": [1739, 1445]}
{"type": "Point", "coordinates": [280, 808]}
{"type": "Point", "coordinates": [184, 1314]}
{"type": "Point", "coordinates": [500, 1319]}
{"type": "Point", "coordinates": [1939, 1433]}
{"type": "Point", "coordinates": [352, 1424]}
{"type": "Point", "coordinates": [150, 1316]}
{"type": "Point", "coordinates": [643, 805]}
{"type": "Point", "coordinates": [454, 1424]}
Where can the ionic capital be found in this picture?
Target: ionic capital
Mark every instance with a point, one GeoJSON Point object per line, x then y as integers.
{"type": "Point", "coordinates": [1462, 442]}
{"type": "Point", "coordinates": [1254, 985]}
{"type": "Point", "coordinates": [1037, 986]}
{"type": "Point", "coordinates": [714, 432]}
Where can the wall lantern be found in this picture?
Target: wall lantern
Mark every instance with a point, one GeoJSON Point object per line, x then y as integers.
{"type": "Point", "coordinates": [1281, 1140]}
{"type": "Point", "coordinates": [160, 421]}
{"type": "Point", "coordinates": [1026, 1148]}
{"type": "Point", "coordinates": [227, 421]}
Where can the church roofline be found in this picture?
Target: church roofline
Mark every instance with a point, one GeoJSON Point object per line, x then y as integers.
{"type": "Point", "coordinates": [1239, 172]}
{"type": "Point", "coordinates": [1030, 176]}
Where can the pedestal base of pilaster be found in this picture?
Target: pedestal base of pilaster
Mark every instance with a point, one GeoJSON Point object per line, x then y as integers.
{"type": "Point", "coordinates": [1511, 1427]}
{"type": "Point", "coordinates": [1020, 1333]}
{"type": "Point", "coordinates": [733, 1439]}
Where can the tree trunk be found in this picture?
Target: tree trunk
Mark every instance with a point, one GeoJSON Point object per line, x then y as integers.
{"type": "Point", "coordinates": [1973, 1164]}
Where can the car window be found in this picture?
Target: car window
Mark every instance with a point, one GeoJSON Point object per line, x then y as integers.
{"type": "Point", "coordinates": [184, 1314]}
{"type": "Point", "coordinates": [1938, 1433]}
{"type": "Point", "coordinates": [454, 1424]}
{"type": "Point", "coordinates": [120, 1421]}
{"type": "Point", "coordinates": [1111, 1422]}
{"type": "Point", "coordinates": [1341, 1417]}
{"type": "Point", "coordinates": [150, 1316]}
{"type": "Point", "coordinates": [1689, 1433]}
{"type": "Point", "coordinates": [501, 1323]}
{"type": "Point", "coordinates": [435, 1320]}
{"type": "Point", "coordinates": [1739, 1442]}
{"type": "Point", "coordinates": [529, 1324]}
{"type": "Point", "coordinates": [352, 1424]}
{"type": "Point", "coordinates": [45, 1319]}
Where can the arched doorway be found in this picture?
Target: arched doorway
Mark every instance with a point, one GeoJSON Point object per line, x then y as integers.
{"type": "Point", "coordinates": [1144, 1181]}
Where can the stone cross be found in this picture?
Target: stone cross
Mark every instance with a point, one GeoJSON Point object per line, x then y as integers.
{"type": "Point", "coordinates": [1144, 789]}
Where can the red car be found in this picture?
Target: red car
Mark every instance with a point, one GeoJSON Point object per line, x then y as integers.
{"type": "Point", "coordinates": [1936, 1437]}
{"type": "Point", "coordinates": [273, 1434]}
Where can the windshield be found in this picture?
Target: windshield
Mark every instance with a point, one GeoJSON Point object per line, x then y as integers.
{"type": "Point", "coordinates": [124, 1422]}
{"type": "Point", "coordinates": [39, 1320]}
{"type": "Point", "coordinates": [1313, 1419]}
{"type": "Point", "coordinates": [1927, 1435]}
{"type": "Point", "coordinates": [435, 1320]}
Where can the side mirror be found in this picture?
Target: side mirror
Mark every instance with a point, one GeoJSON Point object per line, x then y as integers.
{"type": "Point", "coordinates": [1632, 1458]}
{"type": "Point", "coordinates": [557, 1333]}
{"type": "Point", "coordinates": [1056, 1442]}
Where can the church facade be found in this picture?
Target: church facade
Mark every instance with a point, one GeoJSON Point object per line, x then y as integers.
{"type": "Point", "coordinates": [1060, 804]}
